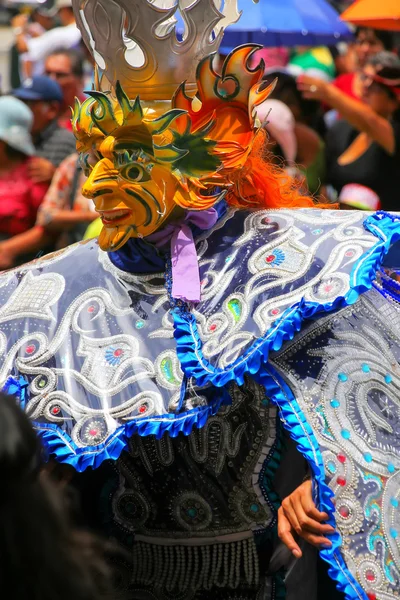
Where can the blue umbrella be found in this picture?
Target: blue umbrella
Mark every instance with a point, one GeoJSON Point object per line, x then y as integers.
{"type": "Point", "coordinates": [275, 23]}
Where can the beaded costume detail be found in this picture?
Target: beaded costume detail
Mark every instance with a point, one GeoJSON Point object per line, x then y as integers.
{"type": "Point", "coordinates": [88, 354]}
{"type": "Point", "coordinates": [344, 371]}
{"type": "Point", "coordinates": [165, 493]}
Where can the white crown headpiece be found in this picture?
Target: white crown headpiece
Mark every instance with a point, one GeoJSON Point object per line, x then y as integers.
{"type": "Point", "coordinates": [135, 42]}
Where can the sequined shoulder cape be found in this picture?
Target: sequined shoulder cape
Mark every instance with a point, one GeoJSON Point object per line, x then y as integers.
{"type": "Point", "coordinates": [290, 299]}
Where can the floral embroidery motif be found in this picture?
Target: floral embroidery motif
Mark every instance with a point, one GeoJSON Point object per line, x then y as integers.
{"type": "Point", "coordinates": [275, 259]}
{"type": "Point", "coordinates": [114, 355]}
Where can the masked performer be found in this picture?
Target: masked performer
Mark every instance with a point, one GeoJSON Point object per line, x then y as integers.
{"type": "Point", "coordinates": [218, 310]}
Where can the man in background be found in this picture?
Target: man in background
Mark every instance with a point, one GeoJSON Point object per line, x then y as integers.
{"type": "Point", "coordinates": [53, 143]}
{"type": "Point", "coordinates": [66, 68]}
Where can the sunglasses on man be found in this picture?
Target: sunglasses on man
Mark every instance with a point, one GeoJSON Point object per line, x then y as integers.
{"type": "Point", "coordinates": [58, 74]}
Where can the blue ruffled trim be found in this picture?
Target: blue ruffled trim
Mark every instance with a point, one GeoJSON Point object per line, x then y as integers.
{"type": "Point", "coordinates": [301, 432]}
{"type": "Point", "coordinates": [59, 444]}
{"type": "Point", "coordinates": [18, 388]}
{"type": "Point", "coordinates": [189, 345]}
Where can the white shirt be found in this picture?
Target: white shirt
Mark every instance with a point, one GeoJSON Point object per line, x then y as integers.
{"type": "Point", "coordinates": [37, 68]}
{"type": "Point", "coordinates": [59, 38]}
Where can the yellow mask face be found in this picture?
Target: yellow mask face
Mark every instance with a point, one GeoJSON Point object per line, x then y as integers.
{"type": "Point", "coordinates": [133, 198]}
{"type": "Point", "coordinates": [140, 167]}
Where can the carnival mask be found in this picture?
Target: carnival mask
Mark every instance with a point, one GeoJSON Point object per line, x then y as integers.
{"type": "Point", "coordinates": [141, 166]}
{"type": "Point", "coordinates": [133, 196]}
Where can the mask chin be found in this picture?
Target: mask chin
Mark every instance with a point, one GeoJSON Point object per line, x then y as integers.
{"type": "Point", "coordinates": [113, 238]}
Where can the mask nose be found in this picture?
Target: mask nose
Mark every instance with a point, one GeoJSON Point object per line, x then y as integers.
{"type": "Point", "coordinates": [102, 180]}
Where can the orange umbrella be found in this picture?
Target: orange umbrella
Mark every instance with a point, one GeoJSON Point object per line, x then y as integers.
{"type": "Point", "coordinates": [378, 14]}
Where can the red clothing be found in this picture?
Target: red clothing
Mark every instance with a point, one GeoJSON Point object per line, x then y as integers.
{"type": "Point", "coordinates": [65, 120]}
{"type": "Point", "coordinates": [65, 123]}
{"type": "Point", "coordinates": [20, 199]}
{"type": "Point", "coordinates": [345, 83]}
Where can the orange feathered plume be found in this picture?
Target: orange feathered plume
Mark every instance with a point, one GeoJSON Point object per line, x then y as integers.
{"type": "Point", "coordinates": [226, 105]}
{"type": "Point", "coordinates": [261, 184]}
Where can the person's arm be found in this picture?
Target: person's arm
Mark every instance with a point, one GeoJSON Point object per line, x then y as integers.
{"type": "Point", "coordinates": [59, 211]}
{"type": "Point", "coordinates": [361, 116]}
{"type": "Point", "coordinates": [65, 220]}
{"type": "Point", "coordinates": [20, 41]}
{"type": "Point", "coordinates": [19, 24]}
{"type": "Point", "coordinates": [308, 144]}
{"type": "Point", "coordinates": [41, 170]}
{"type": "Point", "coordinates": [37, 48]}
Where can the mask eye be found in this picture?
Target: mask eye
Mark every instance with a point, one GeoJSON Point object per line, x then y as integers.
{"type": "Point", "coordinates": [134, 172]}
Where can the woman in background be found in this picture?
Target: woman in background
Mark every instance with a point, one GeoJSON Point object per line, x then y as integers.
{"type": "Point", "coordinates": [61, 220]}
{"type": "Point", "coordinates": [368, 43]}
{"type": "Point", "coordinates": [20, 197]}
{"type": "Point", "coordinates": [364, 147]}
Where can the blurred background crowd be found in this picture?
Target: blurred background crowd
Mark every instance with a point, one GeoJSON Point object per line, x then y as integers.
{"type": "Point", "coordinates": [333, 119]}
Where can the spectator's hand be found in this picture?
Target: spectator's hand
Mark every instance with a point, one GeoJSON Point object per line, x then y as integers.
{"type": "Point", "coordinates": [19, 21]}
{"type": "Point", "coordinates": [298, 514]}
{"type": "Point", "coordinates": [312, 88]}
{"type": "Point", "coordinates": [41, 170]}
{"type": "Point", "coordinates": [7, 259]}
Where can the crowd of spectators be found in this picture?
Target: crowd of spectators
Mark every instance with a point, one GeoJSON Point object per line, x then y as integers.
{"type": "Point", "coordinates": [332, 121]}
{"type": "Point", "coordinates": [345, 104]}
{"type": "Point", "coordinates": [41, 205]}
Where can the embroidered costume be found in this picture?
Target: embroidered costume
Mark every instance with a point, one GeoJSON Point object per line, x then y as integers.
{"type": "Point", "coordinates": [217, 310]}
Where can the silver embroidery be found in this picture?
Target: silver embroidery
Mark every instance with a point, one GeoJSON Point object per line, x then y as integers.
{"type": "Point", "coordinates": [99, 341]}
{"type": "Point", "coordinates": [287, 258]}
{"type": "Point", "coordinates": [352, 403]}
{"type": "Point", "coordinates": [34, 297]}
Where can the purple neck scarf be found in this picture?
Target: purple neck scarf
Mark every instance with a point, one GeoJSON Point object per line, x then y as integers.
{"type": "Point", "coordinates": [185, 266]}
